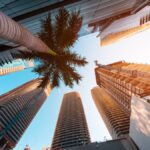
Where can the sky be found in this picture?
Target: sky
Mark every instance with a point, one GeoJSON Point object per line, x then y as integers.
{"type": "Point", "coordinates": [40, 132]}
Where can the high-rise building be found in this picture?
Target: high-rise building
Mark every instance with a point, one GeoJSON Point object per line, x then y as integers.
{"type": "Point", "coordinates": [95, 18]}
{"type": "Point", "coordinates": [140, 122]}
{"type": "Point", "coordinates": [116, 120]}
{"type": "Point", "coordinates": [127, 26]}
{"type": "Point", "coordinates": [16, 65]}
{"type": "Point", "coordinates": [119, 82]}
{"type": "Point", "coordinates": [122, 80]}
{"type": "Point", "coordinates": [17, 109]}
{"type": "Point", "coordinates": [29, 14]}
{"type": "Point", "coordinates": [71, 129]}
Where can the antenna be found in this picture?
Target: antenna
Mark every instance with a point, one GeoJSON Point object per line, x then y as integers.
{"type": "Point", "coordinates": [96, 63]}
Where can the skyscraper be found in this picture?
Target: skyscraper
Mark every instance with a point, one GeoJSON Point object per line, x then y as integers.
{"type": "Point", "coordinates": [17, 109]}
{"type": "Point", "coordinates": [119, 82]}
{"type": "Point", "coordinates": [16, 65]}
{"type": "Point", "coordinates": [116, 120]}
{"type": "Point", "coordinates": [122, 80]}
{"type": "Point", "coordinates": [123, 27]}
{"type": "Point", "coordinates": [71, 129]}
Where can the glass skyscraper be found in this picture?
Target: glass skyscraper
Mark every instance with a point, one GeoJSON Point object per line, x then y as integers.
{"type": "Point", "coordinates": [17, 109]}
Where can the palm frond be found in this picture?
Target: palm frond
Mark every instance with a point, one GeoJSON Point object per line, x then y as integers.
{"type": "Point", "coordinates": [60, 37]}
{"type": "Point", "coordinates": [40, 69]}
{"type": "Point", "coordinates": [47, 32]}
{"type": "Point", "coordinates": [43, 82]}
{"type": "Point", "coordinates": [61, 23]}
{"type": "Point", "coordinates": [71, 32]}
{"type": "Point", "coordinates": [74, 58]}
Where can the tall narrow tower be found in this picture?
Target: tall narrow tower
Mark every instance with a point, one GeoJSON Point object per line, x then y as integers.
{"type": "Point", "coordinates": [17, 109]}
{"type": "Point", "coordinates": [115, 119]}
{"type": "Point", "coordinates": [118, 82]}
{"type": "Point", "coordinates": [71, 129]}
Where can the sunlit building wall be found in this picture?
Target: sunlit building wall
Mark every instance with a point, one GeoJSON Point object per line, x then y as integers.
{"type": "Point", "coordinates": [121, 80]}
{"type": "Point", "coordinates": [115, 119]}
{"type": "Point", "coordinates": [18, 107]}
{"type": "Point", "coordinates": [140, 122]}
{"type": "Point", "coordinates": [71, 129]}
{"type": "Point", "coordinates": [126, 26]}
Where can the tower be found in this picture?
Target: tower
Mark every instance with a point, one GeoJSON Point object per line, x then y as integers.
{"type": "Point", "coordinates": [118, 82]}
{"type": "Point", "coordinates": [115, 119]}
{"type": "Point", "coordinates": [71, 129]}
{"type": "Point", "coordinates": [16, 65]}
{"type": "Point", "coordinates": [17, 109]}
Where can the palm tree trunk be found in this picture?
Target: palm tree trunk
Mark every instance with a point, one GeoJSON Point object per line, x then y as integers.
{"type": "Point", "coordinates": [11, 30]}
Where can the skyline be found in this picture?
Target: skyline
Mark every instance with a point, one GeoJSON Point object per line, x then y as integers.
{"type": "Point", "coordinates": [99, 55]}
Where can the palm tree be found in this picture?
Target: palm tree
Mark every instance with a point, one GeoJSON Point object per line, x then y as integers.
{"type": "Point", "coordinates": [60, 37]}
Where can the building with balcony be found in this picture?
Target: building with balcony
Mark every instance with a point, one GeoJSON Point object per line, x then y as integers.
{"type": "Point", "coordinates": [97, 15]}
{"type": "Point", "coordinates": [118, 82]}
{"type": "Point", "coordinates": [127, 26]}
{"type": "Point", "coordinates": [115, 119]}
{"type": "Point", "coordinates": [71, 129]}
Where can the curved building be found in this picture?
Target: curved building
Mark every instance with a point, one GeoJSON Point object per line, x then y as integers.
{"type": "Point", "coordinates": [116, 120]}
{"type": "Point", "coordinates": [17, 110]}
{"type": "Point", "coordinates": [71, 129]}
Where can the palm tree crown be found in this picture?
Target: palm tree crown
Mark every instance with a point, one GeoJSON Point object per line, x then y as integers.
{"type": "Point", "coordinates": [60, 36]}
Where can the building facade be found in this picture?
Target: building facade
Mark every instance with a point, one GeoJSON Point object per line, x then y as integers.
{"type": "Point", "coordinates": [120, 81]}
{"type": "Point", "coordinates": [140, 122]}
{"type": "Point", "coordinates": [17, 109]}
{"type": "Point", "coordinates": [71, 129]}
{"type": "Point", "coordinates": [16, 65]}
{"type": "Point", "coordinates": [116, 120]}
{"type": "Point", "coordinates": [127, 26]}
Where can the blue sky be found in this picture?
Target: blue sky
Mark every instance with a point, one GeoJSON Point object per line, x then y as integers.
{"type": "Point", "coordinates": [40, 132]}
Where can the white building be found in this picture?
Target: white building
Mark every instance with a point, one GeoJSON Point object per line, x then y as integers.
{"type": "Point", "coordinates": [140, 122]}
